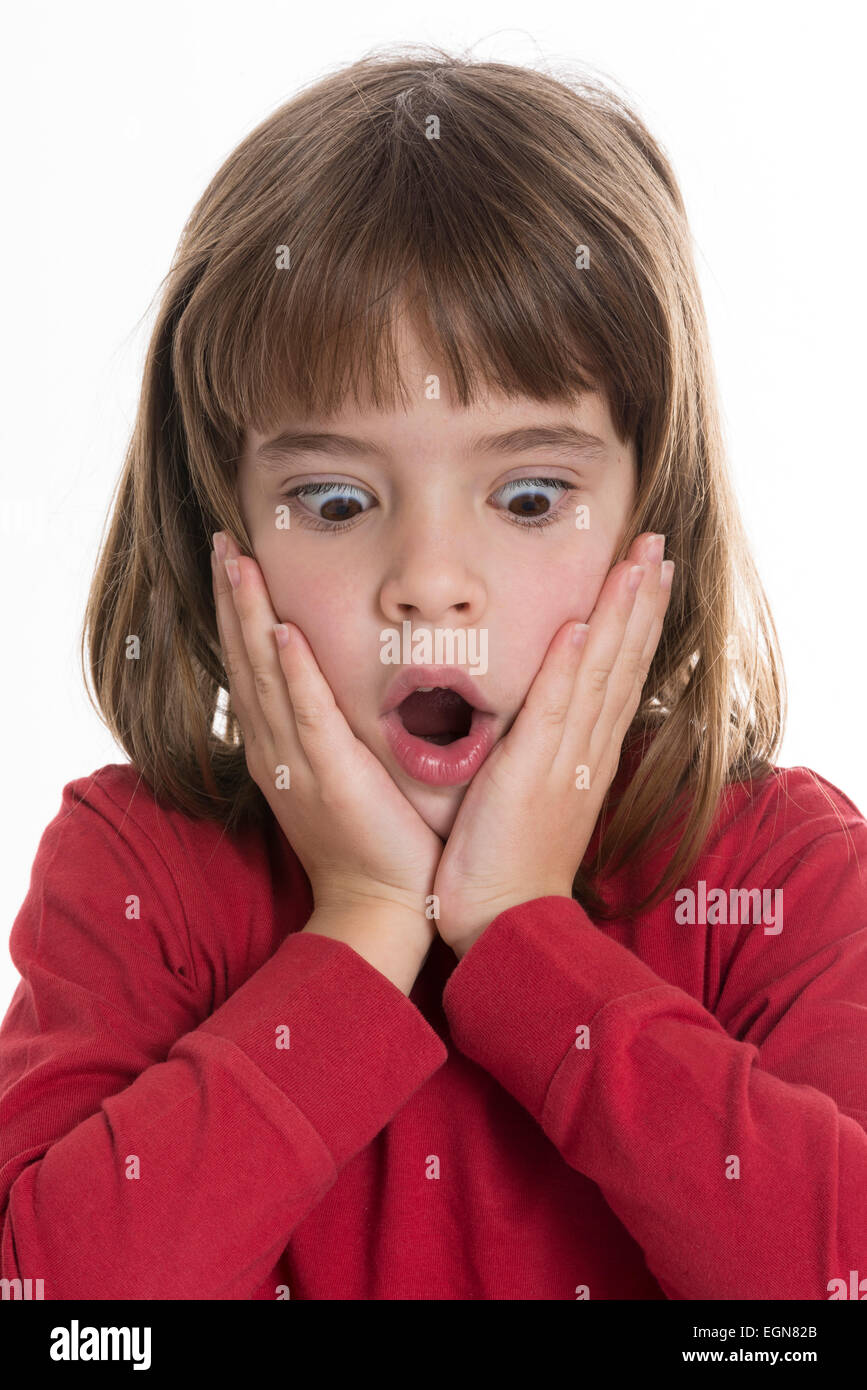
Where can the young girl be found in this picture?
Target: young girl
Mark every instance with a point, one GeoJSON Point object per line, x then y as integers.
{"type": "Point", "coordinates": [420, 950]}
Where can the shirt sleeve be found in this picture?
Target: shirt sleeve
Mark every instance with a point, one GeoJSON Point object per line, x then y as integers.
{"type": "Point", "coordinates": [150, 1149]}
{"type": "Point", "coordinates": [732, 1144]}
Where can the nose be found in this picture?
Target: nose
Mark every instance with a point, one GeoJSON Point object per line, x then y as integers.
{"type": "Point", "coordinates": [432, 578]}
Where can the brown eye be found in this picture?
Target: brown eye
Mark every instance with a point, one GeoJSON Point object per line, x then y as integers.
{"type": "Point", "coordinates": [339, 510]}
{"type": "Point", "coordinates": [527, 503]}
{"type": "Point", "coordinates": [343, 506]}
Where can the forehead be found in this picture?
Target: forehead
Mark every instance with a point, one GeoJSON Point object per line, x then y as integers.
{"type": "Point", "coordinates": [421, 378]}
{"type": "Point", "coordinates": [495, 421]}
{"type": "Point", "coordinates": [499, 428]}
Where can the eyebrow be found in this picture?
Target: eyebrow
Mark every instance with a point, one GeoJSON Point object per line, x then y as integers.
{"type": "Point", "coordinates": [562, 438]}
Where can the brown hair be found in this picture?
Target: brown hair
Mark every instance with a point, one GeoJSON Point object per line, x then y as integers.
{"type": "Point", "coordinates": [476, 225]}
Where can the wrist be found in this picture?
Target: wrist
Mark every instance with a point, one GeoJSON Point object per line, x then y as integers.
{"type": "Point", "coordinates": [346, 916]}
{"type": "Point", "coordinates": [339, 898]}
{"type": "Point", "coordinates": [465, 944]}
{"type": "Point", "coordinates": [393, 940]}
{"type": "Point", "coordinates": [476, 921]}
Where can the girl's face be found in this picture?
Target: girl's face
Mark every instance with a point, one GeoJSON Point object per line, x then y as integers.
{"type": "Point", "coordinates": [439, 532]}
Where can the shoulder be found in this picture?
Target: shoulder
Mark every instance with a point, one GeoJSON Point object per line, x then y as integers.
{"type": "Point", "coordinates": [797, 844]}
{"type": "Point", "coordinates": [802, 843]}
{"type": "Point", "coordinates": [785, 815]}
{"type": "Point", "coordinates": [113, 812]}
{"type": "Point", "coordinates": [114, 851]}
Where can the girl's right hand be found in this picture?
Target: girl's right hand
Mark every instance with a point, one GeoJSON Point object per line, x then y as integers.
{"type": "Point", "coordinates": [360, 841]}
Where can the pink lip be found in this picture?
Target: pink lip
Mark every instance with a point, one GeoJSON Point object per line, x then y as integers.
{"type": "Point", "coordinates": [450, 677]}
{"type": "Point", "coordinates": [440, 765]}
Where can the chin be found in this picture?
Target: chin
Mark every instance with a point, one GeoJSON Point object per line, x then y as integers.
{"type": "Point", "coordinates": [437, 806]}
{"type": "Point", "coordinates": [437, 812]}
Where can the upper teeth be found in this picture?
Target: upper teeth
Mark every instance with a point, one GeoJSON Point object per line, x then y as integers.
{"type": "Point", "coordinates": [426, 689]}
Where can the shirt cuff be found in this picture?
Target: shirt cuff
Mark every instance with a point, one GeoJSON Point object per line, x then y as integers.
{"type": "Point", "coordinates": [358, 1047]}
{"type": "Point", "coordinates": [538, 973]}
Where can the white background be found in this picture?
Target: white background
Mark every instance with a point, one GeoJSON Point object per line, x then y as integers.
{"type": "Point", "coordinates": [116, 116]}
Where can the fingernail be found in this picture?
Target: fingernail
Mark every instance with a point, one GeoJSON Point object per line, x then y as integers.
{"type": "Point", "coordinates": [655, 549]}
{"type": "Point", "coordinates": [636, 574]}
{"type": "Point", "coordinates": [667, 574]}
{"type": "Point", "coordinates": [219, 540]}
{"type": "Point", "coordinates": [578, 631]}
{"type": "Point", "coordinates": [233, 570]}
{"type": "Point", "coordinates": [281, 634]}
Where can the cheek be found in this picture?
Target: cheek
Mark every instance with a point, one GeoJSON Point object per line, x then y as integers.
{"type": "Point", "coordinates": [540, 599]}
{"type": "Point", "coordinates": [322, 606]}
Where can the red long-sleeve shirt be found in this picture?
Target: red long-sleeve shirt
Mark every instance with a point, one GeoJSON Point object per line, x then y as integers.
{"type": "Point", "coordinates": [704, 1140]}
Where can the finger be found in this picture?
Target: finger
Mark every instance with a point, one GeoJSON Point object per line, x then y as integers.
{"type": "Point", "coordinates": [266, 681]}
{"type": "Point", "coordinates": [256, 617]}
{"type": "Point", "coordinates": [242, 691]}
{"type": "Point", "coordinates": [607, 628]}
{"type": "Point", "coordinates": [295, 698]}
{"type": "Point", "coordinates": [537, 732]}
{"type": "Point", "coordinates": [630, 671]}
{"type": "Point", "coordinates": [663, 597]}
{"type": "Point", "coordinates": [322, 730]}
{"type": "Point", "coordinates": [551, 704]}
{"type": "Point", "coordinates": [220, 590]}
{"type": "Point", "coordinates": [614, 723]}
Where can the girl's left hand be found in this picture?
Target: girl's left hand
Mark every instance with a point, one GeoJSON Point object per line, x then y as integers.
{"type": "Point", "coordinates": [526, 820]}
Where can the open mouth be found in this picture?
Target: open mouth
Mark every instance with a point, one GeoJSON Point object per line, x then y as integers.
{"type": "Point", "coordinates": [436, 715]}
